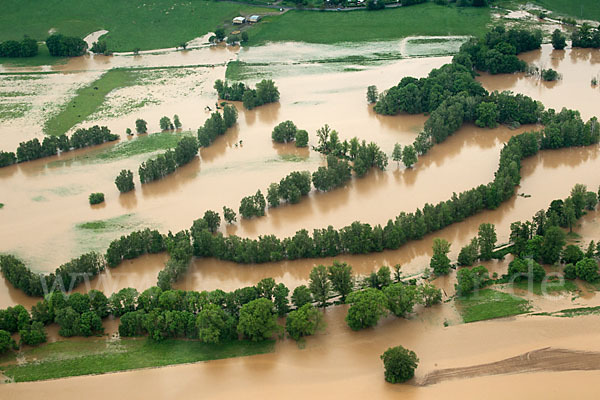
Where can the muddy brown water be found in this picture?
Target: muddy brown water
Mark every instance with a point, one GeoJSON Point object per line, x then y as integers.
{"type": "Point", "coordinates": [45, 200]}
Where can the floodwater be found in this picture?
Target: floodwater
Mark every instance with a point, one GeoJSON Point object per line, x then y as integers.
{"type": "Point", "coordinates": [46, 200]}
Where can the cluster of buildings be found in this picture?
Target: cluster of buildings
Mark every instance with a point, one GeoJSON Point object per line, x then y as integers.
{"type": "Point", "coordinates": [242, 20]}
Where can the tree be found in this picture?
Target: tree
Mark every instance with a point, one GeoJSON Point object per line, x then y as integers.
{"type": "Point", "coordinates": [165, 124]}
{"type": "Point", "coordinates": [230, 115]}
{"type": "Point", "coordinates": [399, 364]}
{"type": "Point", "coordinates": [487, 115]}
{"type": "Point", "coordinates": [284, 132]}
{"type": "Point", "coordinates": [587, 269]}
{"type": "Point", "coordinates": [244, 37]}
{"type": "Point", "coordinates": [559, 40]}
{"type": "Point", "coordinates": [366, 308]}
{"type": "Point", "coordinates": [469, 254]}
{"type": "Point", "coordinates": [397, 153]}
{"type": "Point", "coordinates": [373, 5]}
{"type": "Point", "coordinates": [265, 288]}
{"type": "Point", "coordinates": [304, 321]}
{"type": "Point", "coordinates": [176, 121]}
{"type": "Point", "coordinates": [340, 276]}
{"type": "Point", "coordinates": [428, 295]}
{"type": "Point", "coordinates": [213, 220]}
{"type": "Point", "coordinates": [33, 334]}
{"type": "Point", "coordinates": [400, 298]}
{"type": "Point", "coordinates": [229, 215]}
{"type": "Point", "coordinates": [213, 324]}
{"type": "Point", "coordinates": [591, 200]}
{"type": "Point", "coordinates": [273, 195]}
{"type": "Point", "coordinates": [301, 138]}
{"type": "Point", "coordinates": [409, 156]}
{"type": "Point", "coordinates": [124, 181]}
{"type": "Point", "coordinates": [301, 296]}
{"type": "Point", "coordinates": [440, 263]}
{"type": "Point", "coordinates": [280, 298]}
{"type": "Point", "coordinates": [372, 94]}
{"type": "Point", "coordinates": [572, 254]}
{"type": "Point", "coordinates": [6, 342]}
{"type": "Point", "coordinates": [141, 126]}
{"type": "Point", "coordinates": [486, 238]}
{"type": "Point", "coordinates": [554, 241]}
{"type": "Point", "coordinates": [319, 284]}
{"type": "Point", "coordinates": [65, 46]}
{"type": "Point", "coordinates": [469, 280]}
{"type": "Point", "coordinates": [220, 34]}
{"type": "Point", "coordinates": [257, 320]}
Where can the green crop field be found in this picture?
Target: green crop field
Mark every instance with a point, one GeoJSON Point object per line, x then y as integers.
{"type": "Point", "coordinates": [145, 25]}
{"type": "Point", "coordinates": [585, 9]}
{"type": "Point", "coordinates": [359, 26]}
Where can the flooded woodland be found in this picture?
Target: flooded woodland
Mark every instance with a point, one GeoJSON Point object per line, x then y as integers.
{"type": "Point", "coordinates": [46, 209]}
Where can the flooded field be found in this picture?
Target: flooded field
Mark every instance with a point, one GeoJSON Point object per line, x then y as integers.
{"type": "Point", "coordinates": [46, 210]}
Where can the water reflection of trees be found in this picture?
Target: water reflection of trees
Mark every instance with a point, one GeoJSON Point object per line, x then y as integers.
{"type": "Point", "coordinates": [221, 144]}
{"type": "Point", "coordinates": [170, 183]}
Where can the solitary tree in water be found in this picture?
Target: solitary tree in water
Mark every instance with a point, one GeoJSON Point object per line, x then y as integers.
{"type": "Point", "coordinates": [397, 153]}
{"type": "Point", "coordinates": [372, 94]}
{"type": "Point", "coordinates": [559, 40]}
{"type": "Point", "coordinates": [409, 156]}
{"type": "Point", "coordinates": [400, 364]}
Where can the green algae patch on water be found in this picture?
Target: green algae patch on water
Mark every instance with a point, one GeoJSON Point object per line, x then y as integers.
{"type": "Point", "coordinates": [86, 357]}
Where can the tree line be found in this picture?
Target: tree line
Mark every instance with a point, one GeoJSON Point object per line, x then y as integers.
{"type": "Point", "coordinates": [50, 146]}
{"type": "Point", "coordinates": [216, 125]}
{"type": "Point", "coordinates": [166, 163]}
{"type": "Point", "coordinates": [25, 48]}
{"type": "Point", "coordinates": [65, 46]}
{"type": "Point", "coordinates": [265, 92]}
{"type": "Point", "coordinates": [563, 129]}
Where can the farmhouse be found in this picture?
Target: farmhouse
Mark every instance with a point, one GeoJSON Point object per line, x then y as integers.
{"type": "Point", "coordinates": [239, 20]}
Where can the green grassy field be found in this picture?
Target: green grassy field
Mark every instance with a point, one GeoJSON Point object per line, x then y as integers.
{"type": "Point", "coordinates": [84, 357]}
{"type": "Point", "coordinates": [146, 25]}
{"type": "Point", "coordinates": [573, 312]}
{"type": "Point", "coordinates": [87, 100]}
{"type": "Point", "coordinates": [585, 9]}
{"type": "Point", "coordinates": [489, 304]}
{"type": "Point", "coordinates": [360, 26]}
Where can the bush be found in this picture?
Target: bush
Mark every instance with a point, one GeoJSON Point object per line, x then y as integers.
{"type": "Point", "coordinates": [96, 198]}
{"type": "Point", "coordinates": [570, 271]}
{"type": "Point", "coordinates": [399, 364]}
{"type": "Point", "coordinates": [587, 269]}
{"type": "Point", "coordinates": [549, 75]}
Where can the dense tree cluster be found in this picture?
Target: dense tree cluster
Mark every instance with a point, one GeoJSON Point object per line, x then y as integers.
{"type": "Point", "coordinates": [471, 279]}
{"type": "Point", "coordinates": [67, 276]}
{"type": "Point", "coordinates": [65, 46]}
{"type": "Point", "coordinates": [17, 320]}
{"type": "Point", "coordinates": [166, 163]}
{"type": "Point", "coordinates": [364, 156]}
{"type": "Point", "coordinates": [284, 132]}
{"type": "Point", "coordinates": [181, 252]}
{"type": "Point", "coordinates": [216, 125]}
{"type": "Point", "coordinates": [586, 36]}
{"type": "Point", "coordinates": [253, 206]}
{"type": "Point", "coordinates": [134, 245]}
{"type": "Point", "coordinates": [559, 40]}
{"type": "Point", "coordinates": [25, 48]}
{"type": "Point", "coordinates": [497, 52]}
{"type": "Point", "coordinates": [290, 189]}
{"type": "Point", "coordinates": [265, 92]}
{"type": "Point", "coordinates": [33, 149]}
{"type": "Point", "coordinates": [336, 174]}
